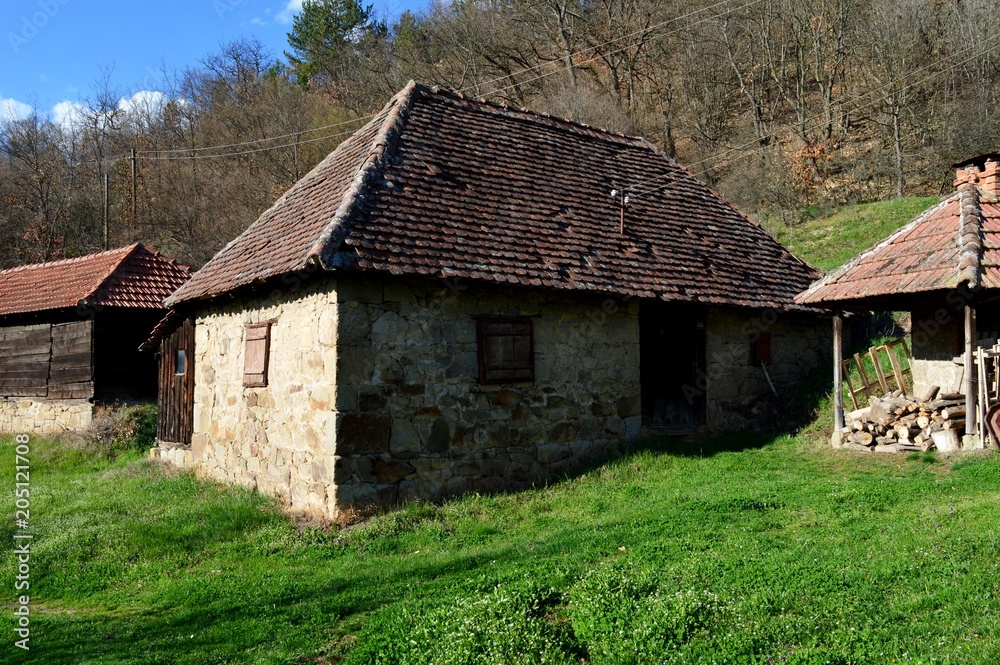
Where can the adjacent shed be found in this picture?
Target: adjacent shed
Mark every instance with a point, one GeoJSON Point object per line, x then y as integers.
{"type": "Point", "coordinates": [944, 268]}
{"type": "Point", "coordinates": [70, 332]}
{"type": "Point", "coordinates": [458, 298]}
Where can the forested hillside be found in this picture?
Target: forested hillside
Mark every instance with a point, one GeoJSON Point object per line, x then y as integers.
{"type": "Point", "coordinates": [779, 104]}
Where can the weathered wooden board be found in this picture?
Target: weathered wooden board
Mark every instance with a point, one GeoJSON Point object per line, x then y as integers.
{"type": "Point", "coordinates": [24, 360]}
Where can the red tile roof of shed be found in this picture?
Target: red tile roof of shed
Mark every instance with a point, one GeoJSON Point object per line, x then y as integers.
{"type": "Point", "coordinates": [130, 276]}
{"type": "Point", "coordinates": [956, 241]}
{"type": "Point", "coordinates": [442, 186]}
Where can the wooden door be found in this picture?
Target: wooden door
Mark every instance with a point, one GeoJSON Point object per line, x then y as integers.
{"type": "Point", "coordinates": [176, 385]}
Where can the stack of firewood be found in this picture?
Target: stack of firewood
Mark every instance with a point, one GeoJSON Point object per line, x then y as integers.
{"type": "Point", "coordinates": [898, 423]}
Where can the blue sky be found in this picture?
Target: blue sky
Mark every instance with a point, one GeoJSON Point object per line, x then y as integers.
{"type": "Point", "coordinates": [52, 51]}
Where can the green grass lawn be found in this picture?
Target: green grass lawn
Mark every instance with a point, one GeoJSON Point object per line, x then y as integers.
{"type": "Point", "coordinates": [781, 552]}
{"type": "Point", "coordinates": [828, 237]}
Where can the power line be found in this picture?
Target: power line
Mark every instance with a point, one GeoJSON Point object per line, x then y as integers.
{"type": "Point", "coordinates": [852, 100]}
{"type": "Point", "coordinates": [648, 31]}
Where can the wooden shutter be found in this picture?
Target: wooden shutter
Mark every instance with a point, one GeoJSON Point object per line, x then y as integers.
{"type": "Point", "coordinates": [255, 355]}
{"type": "Point", "coordinates": [506, 350]}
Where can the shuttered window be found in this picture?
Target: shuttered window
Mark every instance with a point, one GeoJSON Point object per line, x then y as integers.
{"type": "Point", "coordinates": [506, 350]}
{"type": "Point", "coordinates": [760, 349]}
{"type": "Point", "coordinates": [255, 355]}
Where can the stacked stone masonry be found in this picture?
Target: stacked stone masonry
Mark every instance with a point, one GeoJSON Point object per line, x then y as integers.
{"type": "Point", "coordinates": [373, 394]}
{"type": "Point", "coordinates": [42, 416]}
{"type": "Point", "coordinates": [799, 345]}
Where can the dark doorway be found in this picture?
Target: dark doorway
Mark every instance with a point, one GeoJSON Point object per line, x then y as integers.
{"type": "Point", "coordinates": [672, 366]}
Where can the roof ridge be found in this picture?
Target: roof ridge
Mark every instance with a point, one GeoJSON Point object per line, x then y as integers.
{"type": "Point", "coordinates": [110, 273]}
{"type": "Point", "coordinates": [836, 274]}
{"type": "Point", "coordinates": [55, 262]}
{"type": "Point", "coordinates": [179, 295]}
{"type": "Point", "coordinates": [540, 117]}
{"type": "Point", "coordinates": [970, 239]}
{"type": "Point", "coordinates": [383, 145]}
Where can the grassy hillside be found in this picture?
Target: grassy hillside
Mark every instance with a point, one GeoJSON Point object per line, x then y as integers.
{"type": "Point", "coordinates": [827, 237]}
{"type": "Point", "coordinates": [776, 551]}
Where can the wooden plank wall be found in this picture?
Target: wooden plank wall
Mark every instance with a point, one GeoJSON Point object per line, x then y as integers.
{"type": "Point", "coordinates": [71, 375]}
{"type": "Point", "coordinates": [176, 392]}
{"type": "Point", "coordinates": [24, 360]}
{"type": "Point", "coordinates": [48, 360]}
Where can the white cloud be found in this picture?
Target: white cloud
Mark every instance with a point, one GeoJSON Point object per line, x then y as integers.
{"type": "Point", "coordinates": [292, 8]}
{"type": "Point", "coordinates": [68, 115]}
{"type": "Point", "coordinates": [256, 20]}
{"type": "Point", "coordinates": [148, 103]}
{"type": "Point", "coordinates": [11, 109]}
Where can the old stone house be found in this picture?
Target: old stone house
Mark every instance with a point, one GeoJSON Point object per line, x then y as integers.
{"type": "Point", "coordinates": [459, 298]}
{"type": "Point", "coordinates": [70, 332]}
{"type": "Point", "coordinates": [944, 268]}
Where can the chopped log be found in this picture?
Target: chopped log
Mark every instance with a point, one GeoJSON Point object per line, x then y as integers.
{"type": "Point", "coordinates": [857, 446]}
{"type": "Point", "coordinates": [953, 412]}
{"type": "Point", "coordinates": [929, 394]}
{"type": "Point", "coordinates": [860, 414]}
{"type": "Point", "coordinates": [883, 408]}
{"type": "Point", "coordinates": [946, 440]}
{"type": "Point", "coordinates": [939, 404]}
{"type": "Point", "coordinates": [923, 421]}
{"type": "Point", "coordinates": [887, 448]}
{"type": "Point", "coordinates": [864, 438]}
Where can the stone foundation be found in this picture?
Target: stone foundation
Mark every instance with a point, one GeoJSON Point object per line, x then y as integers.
{"type": "Point", "coordinates": [41, 416]}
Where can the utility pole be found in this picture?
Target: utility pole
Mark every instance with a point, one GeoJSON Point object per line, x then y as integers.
{"type": "Point", "coordinates": [135, 221]}
{"type": "Point", "coordinates": [106, 238]}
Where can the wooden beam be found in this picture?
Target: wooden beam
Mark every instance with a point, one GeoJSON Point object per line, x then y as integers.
{"type": "Point", "coordinates": [970, 369]}
{"type": "Point", "coordinates": [838, 374]}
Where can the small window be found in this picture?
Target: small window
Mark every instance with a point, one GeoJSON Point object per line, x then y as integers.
{"type": "Point", "coordinates": [506, 350]}
{"type": "Point", "coordinates": [181, 367]}
{"type": "Point", "coordinates": [255, 355]}
{"type": "Point", "coordinates": [760, 349]}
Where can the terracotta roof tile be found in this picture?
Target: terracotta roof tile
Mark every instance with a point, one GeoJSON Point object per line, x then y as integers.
{"type": "Point", "coordinates": [130, 276]}
{"type": "Point", "coordinates": [439, 185]}
{"type": "Point", "coordinates": [956, 241]}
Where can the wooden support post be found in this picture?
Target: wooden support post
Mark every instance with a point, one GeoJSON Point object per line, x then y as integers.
{"type": "Point", "coordinates": [970, 369]}
{"type": "Point", "coordinates": [838, 376]}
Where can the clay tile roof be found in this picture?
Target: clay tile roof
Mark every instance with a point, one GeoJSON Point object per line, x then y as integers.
{"type": "Point", "coordinates": [956, 241]}
{"type": "Point", "coordinates": [130, 276]}
{"type": "Point", "coordinates": [441, 185]}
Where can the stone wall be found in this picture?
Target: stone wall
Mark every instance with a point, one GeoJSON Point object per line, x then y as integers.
{"type": "Point", "coordinates": [41, 416]}
{"type": "Point", "coordinates": [799, 345]}
{"type": "Point", "coordinates": [373, 392]}
{"type": "Point", "coordinates": [413, 420]}
{"type": "Point", "coordinates": [280, 438]}
{"type": "Point", "coordinates": [937, 335]}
